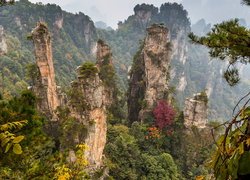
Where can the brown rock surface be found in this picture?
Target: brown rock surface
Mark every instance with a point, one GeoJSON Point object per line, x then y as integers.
{"type": "Point", "coordinates": [45, 88]}
{"type": "Point", "coordinates": [90, 109]}
{"type": "Point", "coordinates": [195, 111]}
{"type": "Point", "coordinates": [149, 74]}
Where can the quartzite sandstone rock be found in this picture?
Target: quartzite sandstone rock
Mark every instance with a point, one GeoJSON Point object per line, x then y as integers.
{"type": "Point", "coordinates": [45, 87]}
{"type": "Point", "coordinates": [195, 111]}
{"type": "Point", "coordinates": [150, 73]}
{"type": "Point", "coordinates": [89, 108]}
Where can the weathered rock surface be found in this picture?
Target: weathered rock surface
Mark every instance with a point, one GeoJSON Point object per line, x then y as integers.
{"type": "Point", "coordinates": [45, 87]}
{"type": "Point", "coordinates": [3, 44]}
{"type": "Point", "coordinates": [149, 74]}
{"type": "Point", "coordinates": [105, 65]}
{"type": "Point", "coordinates": [144, 14]}
{"type": "Point", "coordinates": [89, 108]}
{"type": "Point", "coordinates": [94, 94]}
{"type": "Point", "coordinates": [103, 54]}
{"type": "Point", "coordinates": [195, 111]}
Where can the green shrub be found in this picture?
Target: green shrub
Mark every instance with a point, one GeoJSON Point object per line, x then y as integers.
{"type": "Point", "coordinates": [88, 70]}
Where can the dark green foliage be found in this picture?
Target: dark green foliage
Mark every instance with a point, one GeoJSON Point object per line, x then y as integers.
{"type": "Point", "coordinates": [246, 2]}
{"type": "Point", "coordinates": [77, 99]}
{"type": "Point", "coordinates": [227, 41]}
{"type": "Point", "coordinates": [70, 47]}
{"type": "Point", "coordinates": [232, 76]}
{"type": "Point", "coordinates": [32, 73]}
{"type": "Point", "coordinates": [100, 41]}
{"type": "Point", "coordinates": [70, 129]}
{"type": "Point", "coordinates": [134, 157]}
{"type": "Point", "coordinates": [37, 146]}
{"type": "Point", "coordinates": [6, 2]}
{"type": "Point", "coordinates": [202, 97]}
{"type": "Point", "coordinates": [137, 85]}
{"type": "Point", "coordinates": [174, 17]}
{"type": "Point", "coordinates": [146, 7]}
{"type": "Point", "coordinates": [88, 70]}
{"type": "Point", "coordinates": [107, 75]}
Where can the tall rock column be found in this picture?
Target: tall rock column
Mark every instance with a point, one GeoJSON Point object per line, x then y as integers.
{"type": "Point", "coordinates": [149, 75]}
{"type": "Point", "coordinates": [103, 53]}
{"type": "Point", "coordinates": [90, 97]}
{"type": "Point", "coordinates": [195, 111]}
{"type": "Point", "coordinates": [104, 62]}
{"type": "Point", "coordinates": [88, 106]}
{"type": "Point", "coordinates": [45, 88]}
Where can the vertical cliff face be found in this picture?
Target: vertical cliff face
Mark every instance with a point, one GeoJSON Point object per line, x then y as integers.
{"type": "Point", "coordinates": [45, 88]}
{"type": "Point", "coordinates": [83, 32]}
{"type": "Point", "coordinates": [107, 71]}
{"type": "Point", "coordinates": [195, 111]}
{"type": "Point", "coordinates": [149, 74]}
{"type": "Point", "coordinates": [88, 106]}
{"type": "Point", "coordinates": [3, 44]}
{"type": "Point", "coordinates": [94, 93]}
{"type": "Point", "coordinates": [144, 14]}
{"type": "Point", "coordinates": [103, 54]}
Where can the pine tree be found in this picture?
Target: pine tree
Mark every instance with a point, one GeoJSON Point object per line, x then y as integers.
{"type": "Point", "coordinates": [230, 42]}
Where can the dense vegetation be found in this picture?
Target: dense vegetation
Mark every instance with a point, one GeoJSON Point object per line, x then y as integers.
{"type": "Point", "coordinates": [74, 37]}
{"type": "Point", "coordinates": [229, 41]}
{"type": "Point", "coordinates": [160, 148]}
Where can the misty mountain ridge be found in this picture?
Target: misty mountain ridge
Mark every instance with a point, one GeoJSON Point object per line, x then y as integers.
{"type": "Point", "coordinates": [74, 39]}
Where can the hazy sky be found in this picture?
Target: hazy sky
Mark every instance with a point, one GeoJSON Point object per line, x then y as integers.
{"type": "Point", "coordinates": [112, 11]}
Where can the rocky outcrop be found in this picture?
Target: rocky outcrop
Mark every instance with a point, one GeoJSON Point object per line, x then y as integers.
{"type": "Point", "coordinates": [88, 105]}
{"type": "Point", "coordinates": [92, 95]}
{"type": "Point", "coordinates": [45, 88]}
{"type": "Point", "coordinates": [87, 101]}
{"type": "Point", "coordinates": [103, 54]}
{"type": "Point", "coordinates": [3, 44]}
{"type": "Point", "coordinates": [83, 32]}
{"type": "Point", "coordinates": [195, 111]}
{"type": "Point", "coordinates": [144, 14]}
{"type": "Point", "coordinates": [59, 23]}
{"type": "Point", "coordinates": [150, 73]}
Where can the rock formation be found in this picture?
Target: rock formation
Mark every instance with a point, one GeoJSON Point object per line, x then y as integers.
{"type": "Point", "coordinates": [105, 65]}
{"type": "Point", "coordinates": [149, 74]}
{"type": "Point", "coordinates": [195, 111]}
{"type": "Point", "coordinates": [144, 14]}
{"type": "Point", "coordinates": [89, 107]}
{"type": "Point", "coordinates": [3, 44]}
{"type": "Point", "coordinates": [84, 28]}
{"type": "Point", "coordinates": [103, 54]}
{"type": "Point", "coordinates": [45, 87]}
{"type": "Point", "coordinates": [93, 95]}
{"type": "Point", "coordinates": [88, 99]}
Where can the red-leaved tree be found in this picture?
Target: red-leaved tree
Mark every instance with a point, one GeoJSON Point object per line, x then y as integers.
{"type": "Point", "coordinates": [164, 114]}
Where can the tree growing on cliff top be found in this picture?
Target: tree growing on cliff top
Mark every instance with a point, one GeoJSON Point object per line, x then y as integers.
{"type": "Point", "coordinates": [231, 42]}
